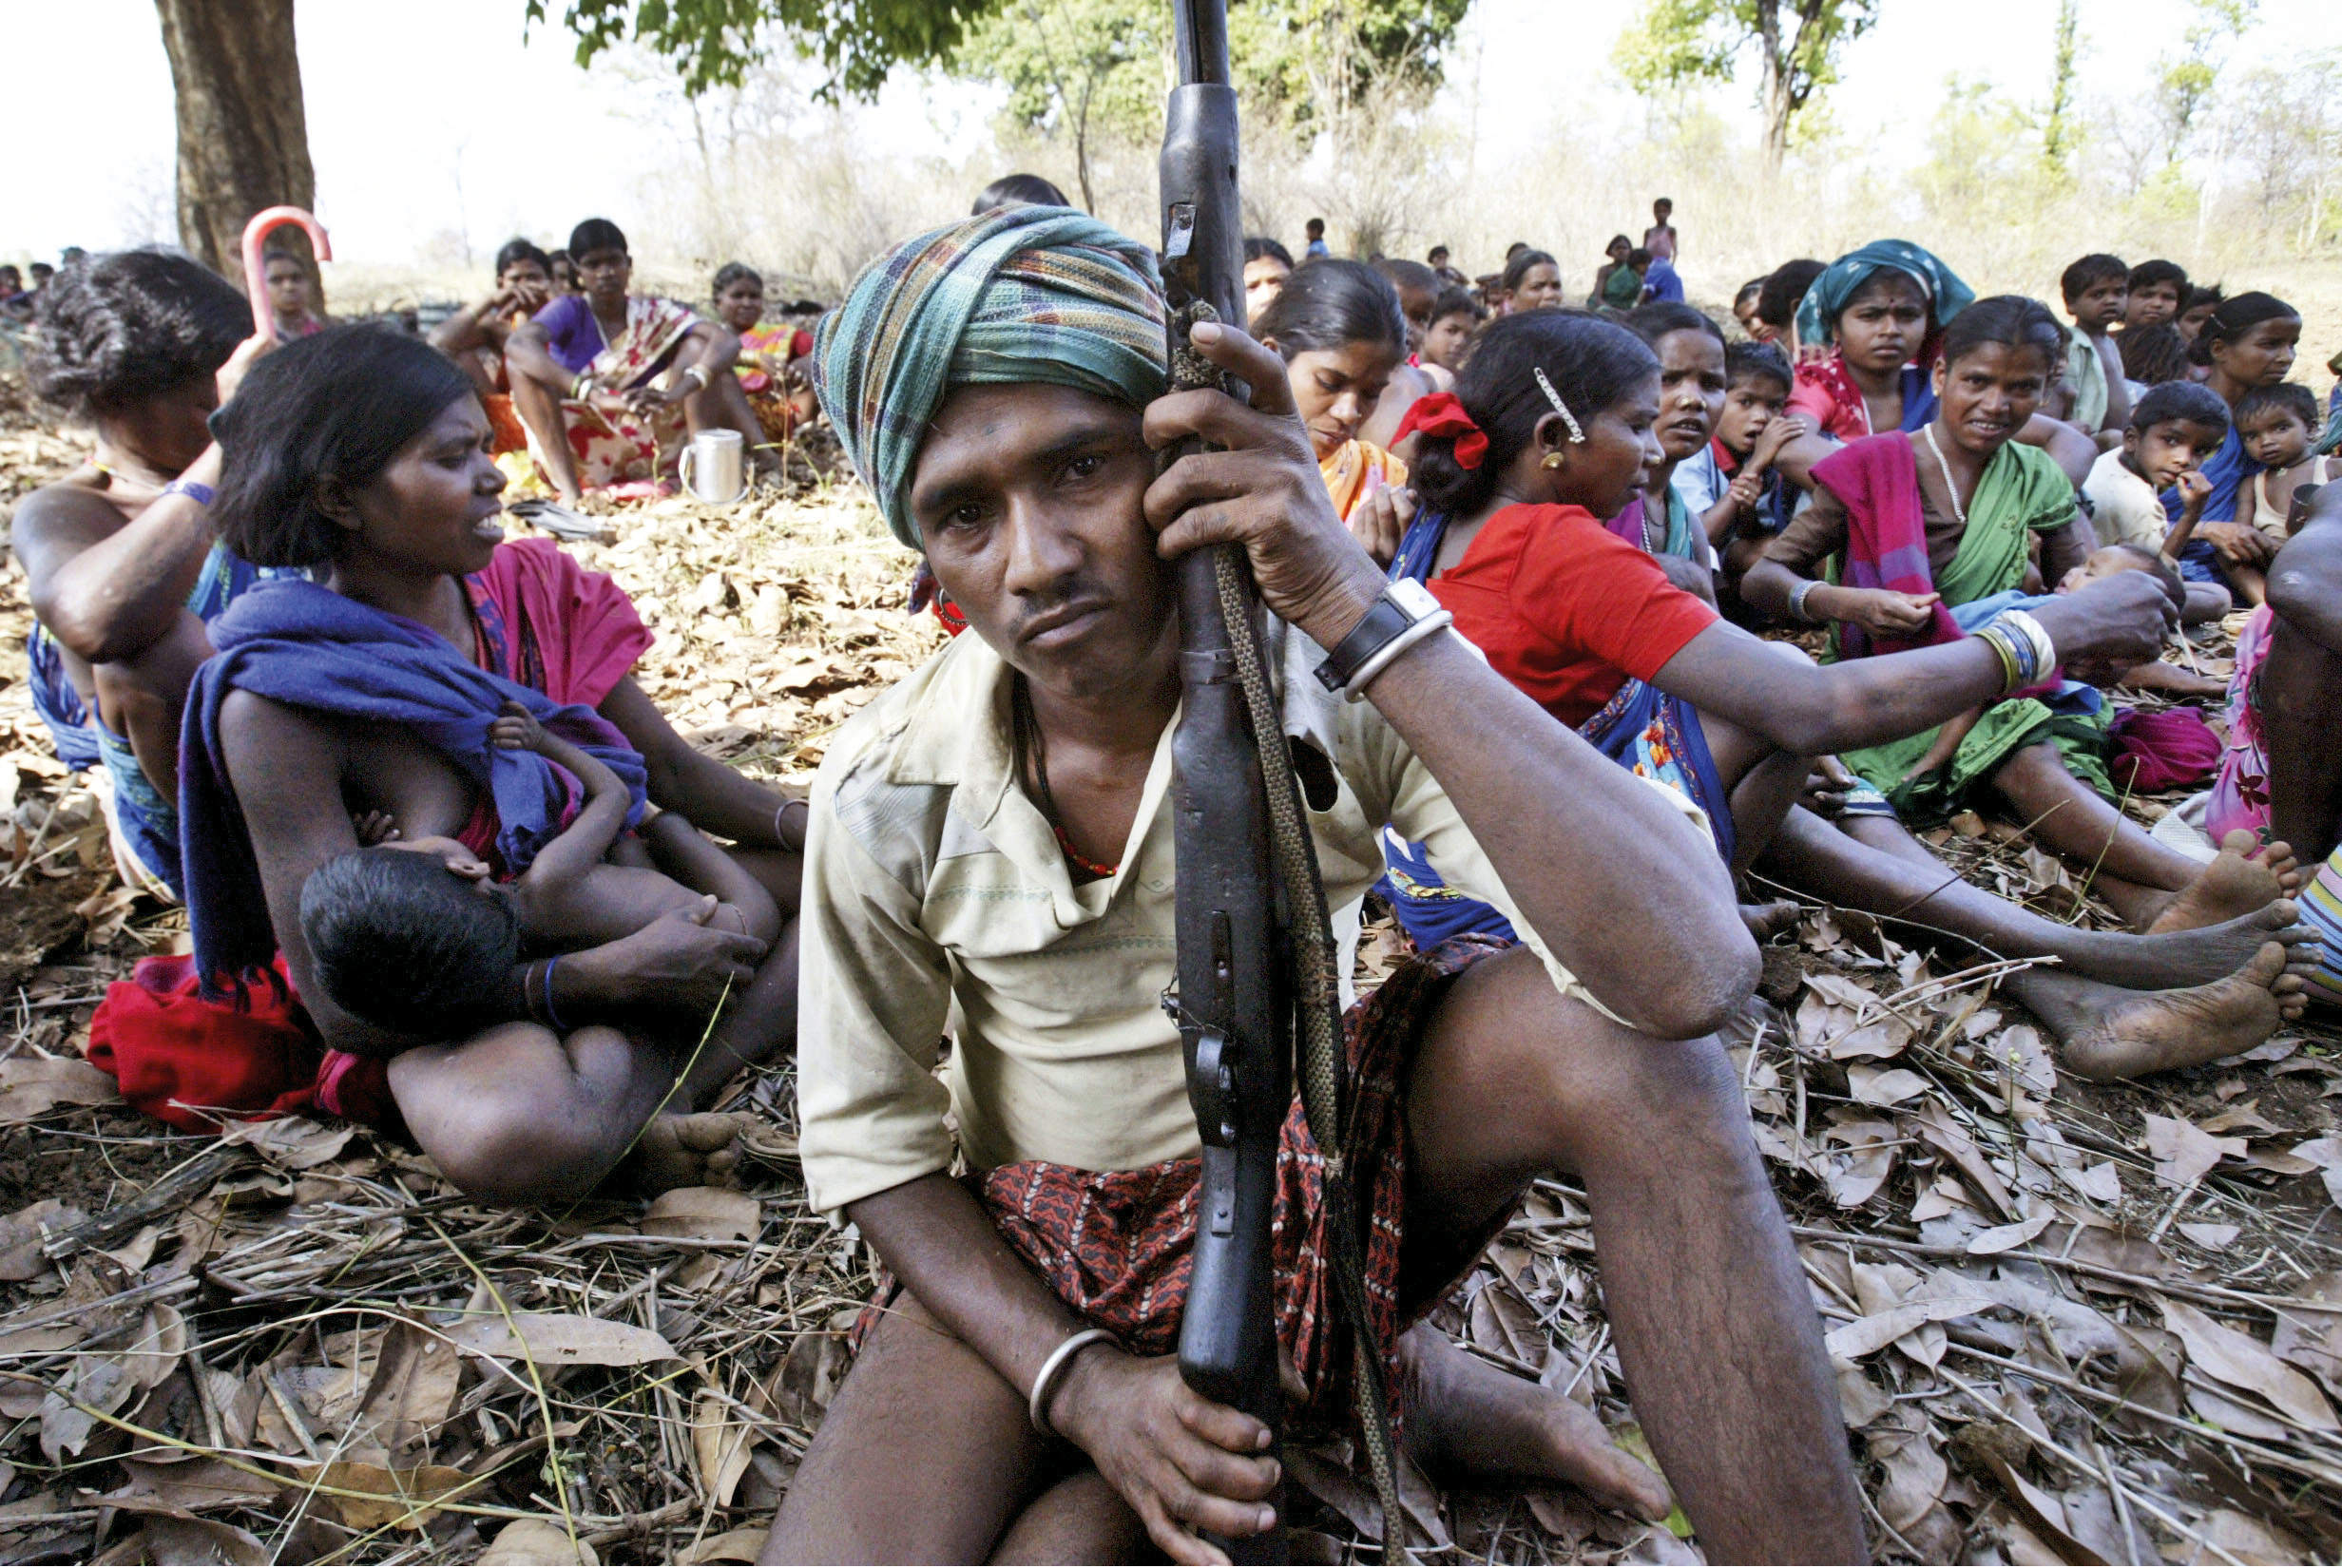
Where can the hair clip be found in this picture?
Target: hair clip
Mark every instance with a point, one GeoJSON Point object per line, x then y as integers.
{"type": "Point", "coordinates": [1576, 435]}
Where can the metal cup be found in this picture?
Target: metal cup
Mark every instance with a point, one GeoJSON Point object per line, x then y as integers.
{"type": "Point", "coordinates": [716, 467]}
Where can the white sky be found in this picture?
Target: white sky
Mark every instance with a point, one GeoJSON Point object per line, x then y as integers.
{"type": "Point", "coordinates": [428, 125]}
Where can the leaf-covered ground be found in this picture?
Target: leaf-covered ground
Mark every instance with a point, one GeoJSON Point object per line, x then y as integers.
{"type": "Point", "coordinates": [2071, 1324]}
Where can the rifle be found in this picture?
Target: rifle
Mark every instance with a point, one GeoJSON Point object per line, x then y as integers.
{"type": "Point", "coordinates": [1256, 950]}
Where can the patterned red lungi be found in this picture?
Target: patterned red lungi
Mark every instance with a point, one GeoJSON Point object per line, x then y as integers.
{"type": "Point", "coordinates": [1118, 1246]}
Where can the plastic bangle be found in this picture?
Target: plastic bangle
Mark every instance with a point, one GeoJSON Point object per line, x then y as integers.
{"type": "Point", "coordinates": [1431, 625]}
{"type": "Point", "coordinates": [194, 490]}
{"type": "Point", "coordinates": [2045, 650]}
{"type": "Point", "coordinates": [697, 373]}
{"type": "Point", "coordinates": [1992, 637]}
{"type": "Point", "coordinates": [1053, 1372]}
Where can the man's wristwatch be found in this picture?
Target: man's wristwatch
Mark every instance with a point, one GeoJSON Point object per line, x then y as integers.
{"type": "Point", "coordinates": [1402, 615]}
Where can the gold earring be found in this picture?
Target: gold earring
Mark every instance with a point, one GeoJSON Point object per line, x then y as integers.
{"type": "Point", "coordinates": [1553, 460]}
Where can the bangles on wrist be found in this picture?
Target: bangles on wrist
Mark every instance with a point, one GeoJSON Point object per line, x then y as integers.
{"type": "Point", "coordinates": [2027, 656]}
{"type": "Point", "coordinates": [1798, 597]}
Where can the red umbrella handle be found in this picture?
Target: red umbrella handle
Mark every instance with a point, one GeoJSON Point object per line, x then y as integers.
{"type": "Point", "coordinates": [256, 270]}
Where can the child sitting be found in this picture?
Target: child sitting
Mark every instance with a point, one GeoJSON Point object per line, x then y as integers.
{"type": "Point", "coordinates": [417, 936]}
{"type": "Point", "coordinates": [2278, 426]}
{"type": "Point", "coordinates": [1455, 316]}
{"type": "Point", "coordinates": [2174, 430]}
{"type": "Point", "coordinates": [2095, 289]}
{"type": "Point", "coordinates": [1750, 432]}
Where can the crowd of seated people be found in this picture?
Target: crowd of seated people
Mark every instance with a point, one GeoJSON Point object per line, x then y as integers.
{"type": "Point", "coordinates": [1748, 600]}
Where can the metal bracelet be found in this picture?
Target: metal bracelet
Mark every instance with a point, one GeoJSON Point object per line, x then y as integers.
{"type": "Point", "coordinates": [1381, 659]}
{"type": "Point", "coordinates": [1797, 596]}
{"type": "Point", "coordinates": [1053, 1372]}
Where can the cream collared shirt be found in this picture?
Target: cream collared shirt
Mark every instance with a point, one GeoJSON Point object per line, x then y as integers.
{"type": "Point", "coordinates": [937, 898]}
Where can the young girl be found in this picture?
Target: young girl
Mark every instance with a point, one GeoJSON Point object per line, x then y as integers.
{"type": "Point", "coordinates": [1750, 432]}
{"type": "Point", "coordinates": [1336, 325]}
{"type": "Point", "coordinates": [771, 371]}
{"type": "Point", "coordinates": [1885, 307]}
{"type": "Point", "coordinates": [1691, 395]}
{"type": "Point", "coordinates": [1455, 316]}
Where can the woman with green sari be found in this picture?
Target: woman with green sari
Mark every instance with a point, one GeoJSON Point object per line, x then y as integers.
{"type": "Point", "coordinates": [1907, 527]}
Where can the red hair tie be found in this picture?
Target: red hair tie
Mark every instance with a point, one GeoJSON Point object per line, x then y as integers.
{"type": "Point", "coordinates": [1442, 414]}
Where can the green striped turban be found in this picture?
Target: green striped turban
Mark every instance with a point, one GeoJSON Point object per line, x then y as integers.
{"type": "Point", "coordinates": [1024, 293]}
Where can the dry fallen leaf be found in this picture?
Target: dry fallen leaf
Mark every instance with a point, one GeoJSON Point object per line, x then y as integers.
{"type": "Point", "coordinates": [2243, 1361]}
{"type": "Point", "coordinates": [2184, 1152]}
{"type": "Point", "coordinates": [398, 1499]}
{"type": "Point", "coordinates": [33, 1086]}
{"type": "Point", "coordinates": [561, 1340]}
{"type": "Point", "coordinates": [719, 1442]}
{"type": "Point", "coordinates": [533, 1542]}
{"type": "Point", "coordinates": [711, 1214]}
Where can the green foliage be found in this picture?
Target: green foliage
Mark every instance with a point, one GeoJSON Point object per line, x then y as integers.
{"type": "Point", "coordinates": [1064, 62]}
{"type": "Point", "coordinates": [713, 43]}
{"type": "Point", "coordinates": [1676, 42]}
{"type": "Point", "coordinates": [2183, 83]}
{"type": "Point", "coordinates": [2058, 131]}
{"type": "Point", "coordinates": [1308, 60]}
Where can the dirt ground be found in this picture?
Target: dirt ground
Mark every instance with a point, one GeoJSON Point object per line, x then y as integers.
{"type": "Point", "coordinates": [2071, 1324]}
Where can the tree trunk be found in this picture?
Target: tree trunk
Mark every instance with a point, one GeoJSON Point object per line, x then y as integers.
{"type": "Point", "coordinates": [1778, 102]}
{"type": "Point", "coordinates": [243, 140]}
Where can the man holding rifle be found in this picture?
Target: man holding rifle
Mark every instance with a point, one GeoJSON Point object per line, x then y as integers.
{"type": "Point", "coordinates": [991, 854]}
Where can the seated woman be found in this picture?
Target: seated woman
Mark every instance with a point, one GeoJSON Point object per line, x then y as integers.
{"type": "Point", "coordinates": [118, 556]}
{"type": "Point", "coordinates": [474, 337]}
{"type": "Point", "coordinates": [287, 277]}
{"type": "Point", "coordinates": [1549, 431]}
{"type": "Point", "coordinates": [363, 454]}
{"type": "Point", "coordinates": [1881, 311]}
{"type": "Point", "coordinates": [1267, 264]}
{"type": "Point", "coordinates": [1616, 283]}
{"type": "Point", "coordinates": [1337, 327]}
{"type": "Point", "coordinates": [612, 384]}
{"type": "Point", "coordinates": [1919, 525]}
{"type": "Point", "coordinates": [1531, 281]}
{"type": "Point", "coordinates": [773, 376]}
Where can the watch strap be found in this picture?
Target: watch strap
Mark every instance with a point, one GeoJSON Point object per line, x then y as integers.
{"type": "Point", "coordinates": [1384, 619]}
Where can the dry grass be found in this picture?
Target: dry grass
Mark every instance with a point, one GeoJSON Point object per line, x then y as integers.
{"type": "Point", "coordinates": [2059, 1339]}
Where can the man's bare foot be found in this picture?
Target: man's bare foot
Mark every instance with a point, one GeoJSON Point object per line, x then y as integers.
{"type": "Point", "coordinates": [1464, 1417]}
{"type": "Point", "coordinates": [2158, 1031]}
{"type": "Point", "coordinates": [685, 1149]}
{"type": "Point", "coordinates": [2244, 877]}
{"type": "Point", "coordinates": [1769, 920]}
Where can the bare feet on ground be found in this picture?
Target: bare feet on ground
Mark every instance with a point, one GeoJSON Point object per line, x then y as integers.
{"type": "Point", "coordinates": [2244, 877]}
{"type": "Point", "coordinates": [685, 1149]}
{"type": "Point", "coordinates": [2158, 1031]}
{"type": "Point", "coordinates": [1464, 1417]}
{"type": "Point", "coordinates": [2195, 957]}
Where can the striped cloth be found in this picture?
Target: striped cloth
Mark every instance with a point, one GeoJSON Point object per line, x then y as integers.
{"type": "Point", "coordinates": [2321, 910]}
{"type": "Point", "coordinates": [1024, 293]}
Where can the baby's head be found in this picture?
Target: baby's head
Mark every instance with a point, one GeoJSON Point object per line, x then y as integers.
{"type": "Point", "coordinates": [2109, 558]}
{"type": "Point", "coordinates": [2277, 424]}
{"type": "Point", "coordinates": [1757, 384]}
{"type": "Point", "coordinates": [2174, 429]}
{"type": "Point", "coordinates": [411, 937]}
